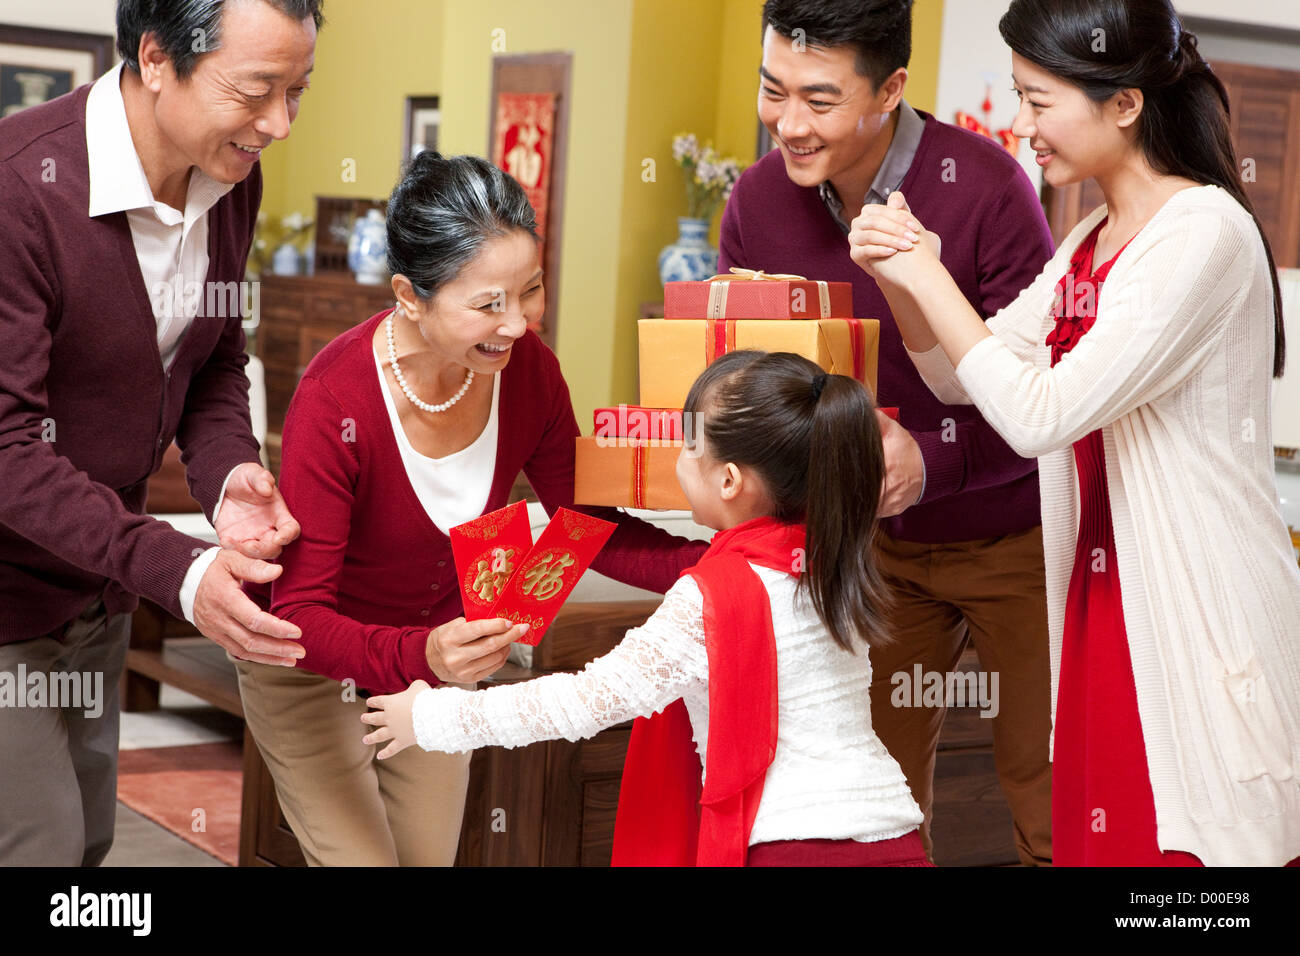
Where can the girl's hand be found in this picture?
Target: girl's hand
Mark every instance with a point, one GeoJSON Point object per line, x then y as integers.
{"type": "Point", "coordinates": [463, 652]}
{"type": "Point", "coordinates": [879, 232]}
{"type": "Point", "coordinates": [392, 720]}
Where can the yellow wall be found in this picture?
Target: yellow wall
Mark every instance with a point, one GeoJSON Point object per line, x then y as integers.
{"type": "Point", "coordinates": [643, 70]}
{"type": "Point", "coordinates": [673, 88]}
{"type": "Point", "coordinates": [370, 56]}
{"type": "Point", "coordinates": [739, 55]}
{"type": "Point", "coordinates": [597, 34]}
{"type": "Point", "coordinates": [923, 71]}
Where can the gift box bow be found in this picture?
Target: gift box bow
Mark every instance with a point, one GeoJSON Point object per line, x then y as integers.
{"type": "Point", "coordinates": [721, 283]}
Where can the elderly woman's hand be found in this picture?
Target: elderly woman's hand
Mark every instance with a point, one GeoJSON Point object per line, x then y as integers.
{"type": "Point", "coordinates": [463, 652]}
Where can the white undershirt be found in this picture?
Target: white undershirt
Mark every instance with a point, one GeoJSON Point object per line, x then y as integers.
{"type": "Point", "coordinates": [455, 488]}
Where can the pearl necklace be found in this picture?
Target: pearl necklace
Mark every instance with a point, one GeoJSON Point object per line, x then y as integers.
{"type": "Point", "coordinates": [406, 389]}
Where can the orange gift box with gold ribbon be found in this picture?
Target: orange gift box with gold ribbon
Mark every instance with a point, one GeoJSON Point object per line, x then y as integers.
{"type": "Point", "coordinates": [628, 473]}
{"type": "Point", "coordinates": [675, 351]}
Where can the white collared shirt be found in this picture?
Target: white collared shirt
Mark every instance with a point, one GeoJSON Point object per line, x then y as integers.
{"type": "Point", "coordinates": [171, 246]}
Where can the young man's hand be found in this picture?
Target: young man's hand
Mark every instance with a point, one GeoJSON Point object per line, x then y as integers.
{"type": "Point", "coordinates": [904, 468]}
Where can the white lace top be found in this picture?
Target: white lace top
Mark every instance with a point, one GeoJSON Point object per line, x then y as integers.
{"type": "Point", "coordinates": [831, 777]}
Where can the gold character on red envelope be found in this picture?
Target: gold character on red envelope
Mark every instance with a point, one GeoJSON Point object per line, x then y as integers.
{"type": "Point", "coordinates": [545, 577]}
{"type": "Point", "coordinates": [516, 579]}
{"type": "Point", "coordinates": [492, 576]}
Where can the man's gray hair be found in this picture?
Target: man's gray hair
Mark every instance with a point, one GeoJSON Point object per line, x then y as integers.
{"type": "Point", "coordinates": [187, 29]}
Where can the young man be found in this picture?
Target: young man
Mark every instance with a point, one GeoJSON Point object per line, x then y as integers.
{"type": "Point", "coordinates": [961, 543]}
{"type": "Point", "coordinates": [128, 212]}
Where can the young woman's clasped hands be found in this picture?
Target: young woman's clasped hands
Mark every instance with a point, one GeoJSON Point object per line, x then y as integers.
{"type": "Point", "coordinates": [876, 238]}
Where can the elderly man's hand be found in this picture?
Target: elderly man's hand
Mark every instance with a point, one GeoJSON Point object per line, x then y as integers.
{"type": "Point", "coordinates": [254, 519]}
{"type": "Point", "coordinates": [223, 612]}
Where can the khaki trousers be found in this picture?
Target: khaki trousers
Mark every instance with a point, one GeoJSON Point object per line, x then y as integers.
{"type": "Point", "coordinates": [992, 593]}
{"type": "Point", "coordinates": [346, 807]}
{"type": "Point", "coordinates": [58, 756]}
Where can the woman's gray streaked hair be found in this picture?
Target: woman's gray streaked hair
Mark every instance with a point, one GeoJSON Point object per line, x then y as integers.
{"type": "Point", "coordinates": [180, 25]}
{"type": "Point", "coordinates": [442, 212]}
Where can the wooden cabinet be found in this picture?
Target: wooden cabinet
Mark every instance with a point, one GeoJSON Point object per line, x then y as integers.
{"type": "Point", "coordinates": [300, 316]}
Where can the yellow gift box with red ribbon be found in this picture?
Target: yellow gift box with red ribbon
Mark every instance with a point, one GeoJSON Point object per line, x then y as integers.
{"type": "Point", "coordinates": [675, 351]}
{"type": "Point", "coordinates": [628, 473]}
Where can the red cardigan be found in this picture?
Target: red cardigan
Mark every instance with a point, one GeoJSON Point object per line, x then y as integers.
{"type": "Point", "coordinates": [371, 574]}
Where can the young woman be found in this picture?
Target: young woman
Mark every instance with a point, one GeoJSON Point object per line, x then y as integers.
{"type": "Point", "coordinates": [419, 419]}
{"type": "Point", "coordinates": [1138, 362]}
{"type": "Point", "coordinates": [764, 640]}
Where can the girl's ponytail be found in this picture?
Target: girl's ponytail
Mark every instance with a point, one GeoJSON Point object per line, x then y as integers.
{"type": "Point", "coordinates": [814, 441]}
{"type": "Point", "coordinates": [846, 463]}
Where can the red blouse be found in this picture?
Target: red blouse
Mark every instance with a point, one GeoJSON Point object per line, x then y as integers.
{"type": "Point", "coordinates": [371, 574]}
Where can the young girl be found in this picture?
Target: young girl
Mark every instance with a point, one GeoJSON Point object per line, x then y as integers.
{"type": "Point", "coordinates": [762, 645]}
{"type": "Point", "coordinates": [1139, 363]}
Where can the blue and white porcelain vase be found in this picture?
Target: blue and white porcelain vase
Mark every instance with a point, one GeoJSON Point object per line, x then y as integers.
{"type": "Point", "coordinates": [368, 249]}
{"type": "Point", "coordinates": [285, 261]}
{"type": "Point", "coordinates": [690, 258]}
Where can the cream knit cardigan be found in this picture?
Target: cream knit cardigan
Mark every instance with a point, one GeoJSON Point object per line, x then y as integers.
{"type": "Point", "coordinates": [1176, 374]}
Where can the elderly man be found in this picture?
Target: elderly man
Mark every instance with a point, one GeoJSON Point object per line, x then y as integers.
{"type": "Point", "coordinates": [125, 203]}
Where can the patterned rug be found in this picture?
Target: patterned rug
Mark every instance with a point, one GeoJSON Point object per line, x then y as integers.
{"type": "Point", "coordinates": [192, 791]}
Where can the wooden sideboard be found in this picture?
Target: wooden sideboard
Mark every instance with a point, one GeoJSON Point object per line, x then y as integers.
{"type": "Point", "coordinates": [300, 316]}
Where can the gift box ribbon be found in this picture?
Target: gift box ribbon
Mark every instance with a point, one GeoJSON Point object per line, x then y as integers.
{"type": "Point", "coordinates": [640, 479]}
{"type": "Point", "coordinates": [719, 284]}
{"type": "Point", "coordinates": [720, 338]}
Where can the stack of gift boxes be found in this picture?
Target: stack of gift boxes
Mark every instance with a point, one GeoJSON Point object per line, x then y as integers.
{"type": "Point", "coordinates": [630, 461]}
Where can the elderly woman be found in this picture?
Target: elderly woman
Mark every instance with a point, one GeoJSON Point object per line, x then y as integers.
{"type": "Point", "coordinates": [416, 420]}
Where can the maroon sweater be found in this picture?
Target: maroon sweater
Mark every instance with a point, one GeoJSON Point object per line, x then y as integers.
{"type": "Point", "coordinates": [86, 409]}
{"type": "Point", "coordinates": [995, 242]}
{"type": "Point", "coordinates": [371, 574]}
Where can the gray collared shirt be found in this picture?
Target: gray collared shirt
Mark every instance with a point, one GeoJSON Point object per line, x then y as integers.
{"type": "Point", "coordinates": [893, 169]}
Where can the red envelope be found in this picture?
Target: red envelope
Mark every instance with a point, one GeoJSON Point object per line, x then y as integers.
{"type": "Point", "coordinates": [487, 552]}
{"type": "Point", "coordinates": [538, 589]}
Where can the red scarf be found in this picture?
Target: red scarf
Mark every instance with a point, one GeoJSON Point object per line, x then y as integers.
{"type": "Point", "coordinates": [664, 819]}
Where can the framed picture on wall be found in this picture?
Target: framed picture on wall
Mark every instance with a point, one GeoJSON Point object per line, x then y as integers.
{"type": "Point", "coordinates": [528, 137]}
{"type": "Point", "coordinates": [423, 117]}
{"type": "Point", "coordinates": [37, 65]}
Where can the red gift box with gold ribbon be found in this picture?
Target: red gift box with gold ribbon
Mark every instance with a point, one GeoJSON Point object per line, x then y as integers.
{"type": "Point", "coordinates": [750, 294]}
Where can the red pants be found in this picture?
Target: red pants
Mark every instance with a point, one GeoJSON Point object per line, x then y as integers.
{"type": "Point", "coordinates": [900, 851]}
